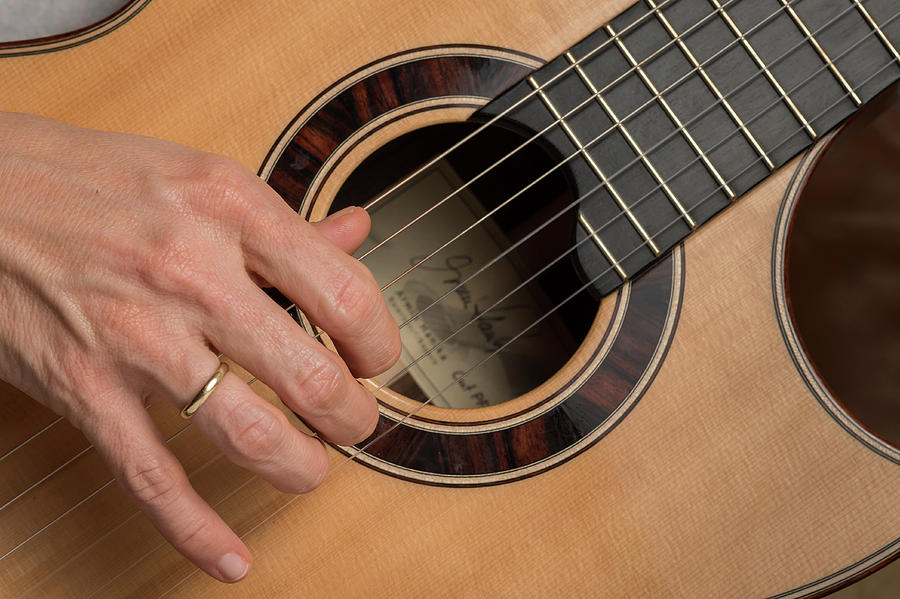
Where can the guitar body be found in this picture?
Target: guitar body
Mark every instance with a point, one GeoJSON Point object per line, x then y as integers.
{"type": "Point", "coordinates": [725, 468]}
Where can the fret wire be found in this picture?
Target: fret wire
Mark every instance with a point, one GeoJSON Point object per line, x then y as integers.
{"type": "Point", "coordinates": [657, 97]}
{"type": "Point", "coordinates": [518, 102]}
{"type": "Point", "coordinates": [884, 40]}
{"type": "Point", "coordinates": [351, 458]}
{"type": "Point", "coordinates": [606, 224]}
{"type": "Point", "coordinates": [595, 167]}
{"type": "Point", "coordinates": [493, 120]}
{"type": "Point", "coordinates": [687, 135]}
{"type": "Point", "coordinates": [682, 129]}
{"type": "Point", "coordinates": [592, 233]}
{"type": "Point", "coordinates": [596, 278]}
{"type": "Point", "coordinates": [712, 86]}
{"type": "Point", "coordinates": [319, 334]}
{"type": "Point", "coordinates": [610, 221]}
{"type": "Point", "coordinates": [761, 64]}
{"type": "Point", "coordinates": [631, 141]}
{"type": "Point", "coordinates": [815, 44]}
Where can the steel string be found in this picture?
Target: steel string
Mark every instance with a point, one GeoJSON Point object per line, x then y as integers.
{"type": "Point", "coordinates": [585, 286]}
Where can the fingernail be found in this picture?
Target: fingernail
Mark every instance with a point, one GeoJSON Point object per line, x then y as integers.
{"type": "Point", "coordinates": [341, 213]}
{"type": "Point", "coordinates": [232, 567]}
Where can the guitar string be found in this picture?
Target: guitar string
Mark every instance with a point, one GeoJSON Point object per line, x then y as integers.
{"type": "Point", "coordinates": [470, 136]}
{"type": "Point", "coordinates": [588, 238]}
{"type": "Point", "coordinates": [118, 526]}
{"type": "Point", "coordinates": [109, 582]}
{"type": "Point", "coordinates": [648, 59]}
{"type": "Point", "coordinates": [675, 132]}
{"type": "Point", "coordinates": [596, 188]}
{"type": "Point", "coordinates": [892, 19]}
{"type": "Point", "coordinates": [777, 101]}
{"type": "Point", "coordinates": [80, 453]}
{"type": "Point", "coordinates": [72, 508]}
{"type": "Point", "coordinates": [290, 501]}
{"type": "Point", "coordinates": [675, 221]}
{"type": "Point", "coordinates": [423, 260]}
{"type": "Point", "coordinates": [372, 203]}
{"type": "Point", "coordinates": [420, 356]}
{"type": "Point", "coordinates": [667, 46]}
{"type": "Point", "coordinates": [612, 177]}
{"type": "Point", "coordinates": [553, 123]}
{"type": "Point", "coordinates": [31, 438]}
{"type": "Point", "coordinates": [615, 127]}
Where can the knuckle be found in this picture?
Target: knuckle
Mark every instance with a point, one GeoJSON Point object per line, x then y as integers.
{"type": "Point", "coordinates": [224, 189]}
{"type": "Point", "coordinates": [120, 318]}
{"type": "Point", "coordinates": [151, 482]}
{"type": "Point", "coordinates": [220, 173]}
{"type": "Point", "coordinates": [319, 385]}
{"type": "Point", "coordinates": [355, 301]}
{"type": "Point", "coordinates": [167, 262]}
{"type": "Point", "coordinates": [380, 357]}
{"type": "Point", "coordinates": [257, 434]}
{"type": "Point", "coordinates": [359, 312]}
{"type": "Point", "coordinates": [129, 330]}
{"type": "Point", "coordinates": [193, 530]}
{"type": "Point", "coordinates": [176, 268]}
{"type": "Point", "coordinates": [179, 367]}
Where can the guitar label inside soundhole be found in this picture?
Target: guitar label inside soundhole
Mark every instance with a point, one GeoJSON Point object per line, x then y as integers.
{"type": "Point", "coordinates": [481, 286]}
{"type": "Point", "coordinates": [581, 368]}
{"type": "Point", "coordinates": [460, 305]}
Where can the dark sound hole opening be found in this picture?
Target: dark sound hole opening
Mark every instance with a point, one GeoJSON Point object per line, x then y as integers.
{"type": "Point", "coordinates": [470, 338]}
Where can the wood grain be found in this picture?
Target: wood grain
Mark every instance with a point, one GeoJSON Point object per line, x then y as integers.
{"type": "Point", "coordinates": [727, 479]}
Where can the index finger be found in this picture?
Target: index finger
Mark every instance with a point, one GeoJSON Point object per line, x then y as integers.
{"type": "Point", "coordinates": [333, 289]}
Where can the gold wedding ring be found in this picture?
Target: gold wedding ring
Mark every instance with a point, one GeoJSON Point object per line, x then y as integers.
{"type": "Point", "coordinates": [194, 405]}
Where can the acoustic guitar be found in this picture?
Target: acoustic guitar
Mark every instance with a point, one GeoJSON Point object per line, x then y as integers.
{"type": "Point", "coordinates": [600, 393]}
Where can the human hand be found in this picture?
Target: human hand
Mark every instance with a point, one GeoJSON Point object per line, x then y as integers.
{"type": "Point", "coordinates": [125, 260]}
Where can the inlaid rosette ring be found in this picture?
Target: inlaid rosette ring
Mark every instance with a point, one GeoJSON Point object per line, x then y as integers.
{"type": "Point", "coordinates": [194, 405]}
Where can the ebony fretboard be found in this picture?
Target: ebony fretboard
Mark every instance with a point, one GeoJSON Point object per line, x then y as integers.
{"type": "Point", "coordinates": [677, 107]}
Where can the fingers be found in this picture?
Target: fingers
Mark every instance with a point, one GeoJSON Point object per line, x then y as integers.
{"type": "Point", "coordinates": [156, 482]}
{"type": "Point", "coordinates": [256, 435]}
{"type": "Point", "coordinates": [346, 229]}
{"type": "Point", "coordinates": [251, 432]}
{"type": "Point", "coordinates": [310, 379]}
{"type": "Point", "coordinates": [334, 290]}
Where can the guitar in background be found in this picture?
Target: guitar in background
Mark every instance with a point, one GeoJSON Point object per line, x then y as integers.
{"type": "Point", "coordinates": [697, 432]}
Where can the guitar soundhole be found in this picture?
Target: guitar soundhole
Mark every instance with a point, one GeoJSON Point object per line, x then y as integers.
{"type": "Point", "coordinates": [488, 293]}
{"type": "Point", "coordinates": [843, 268]}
